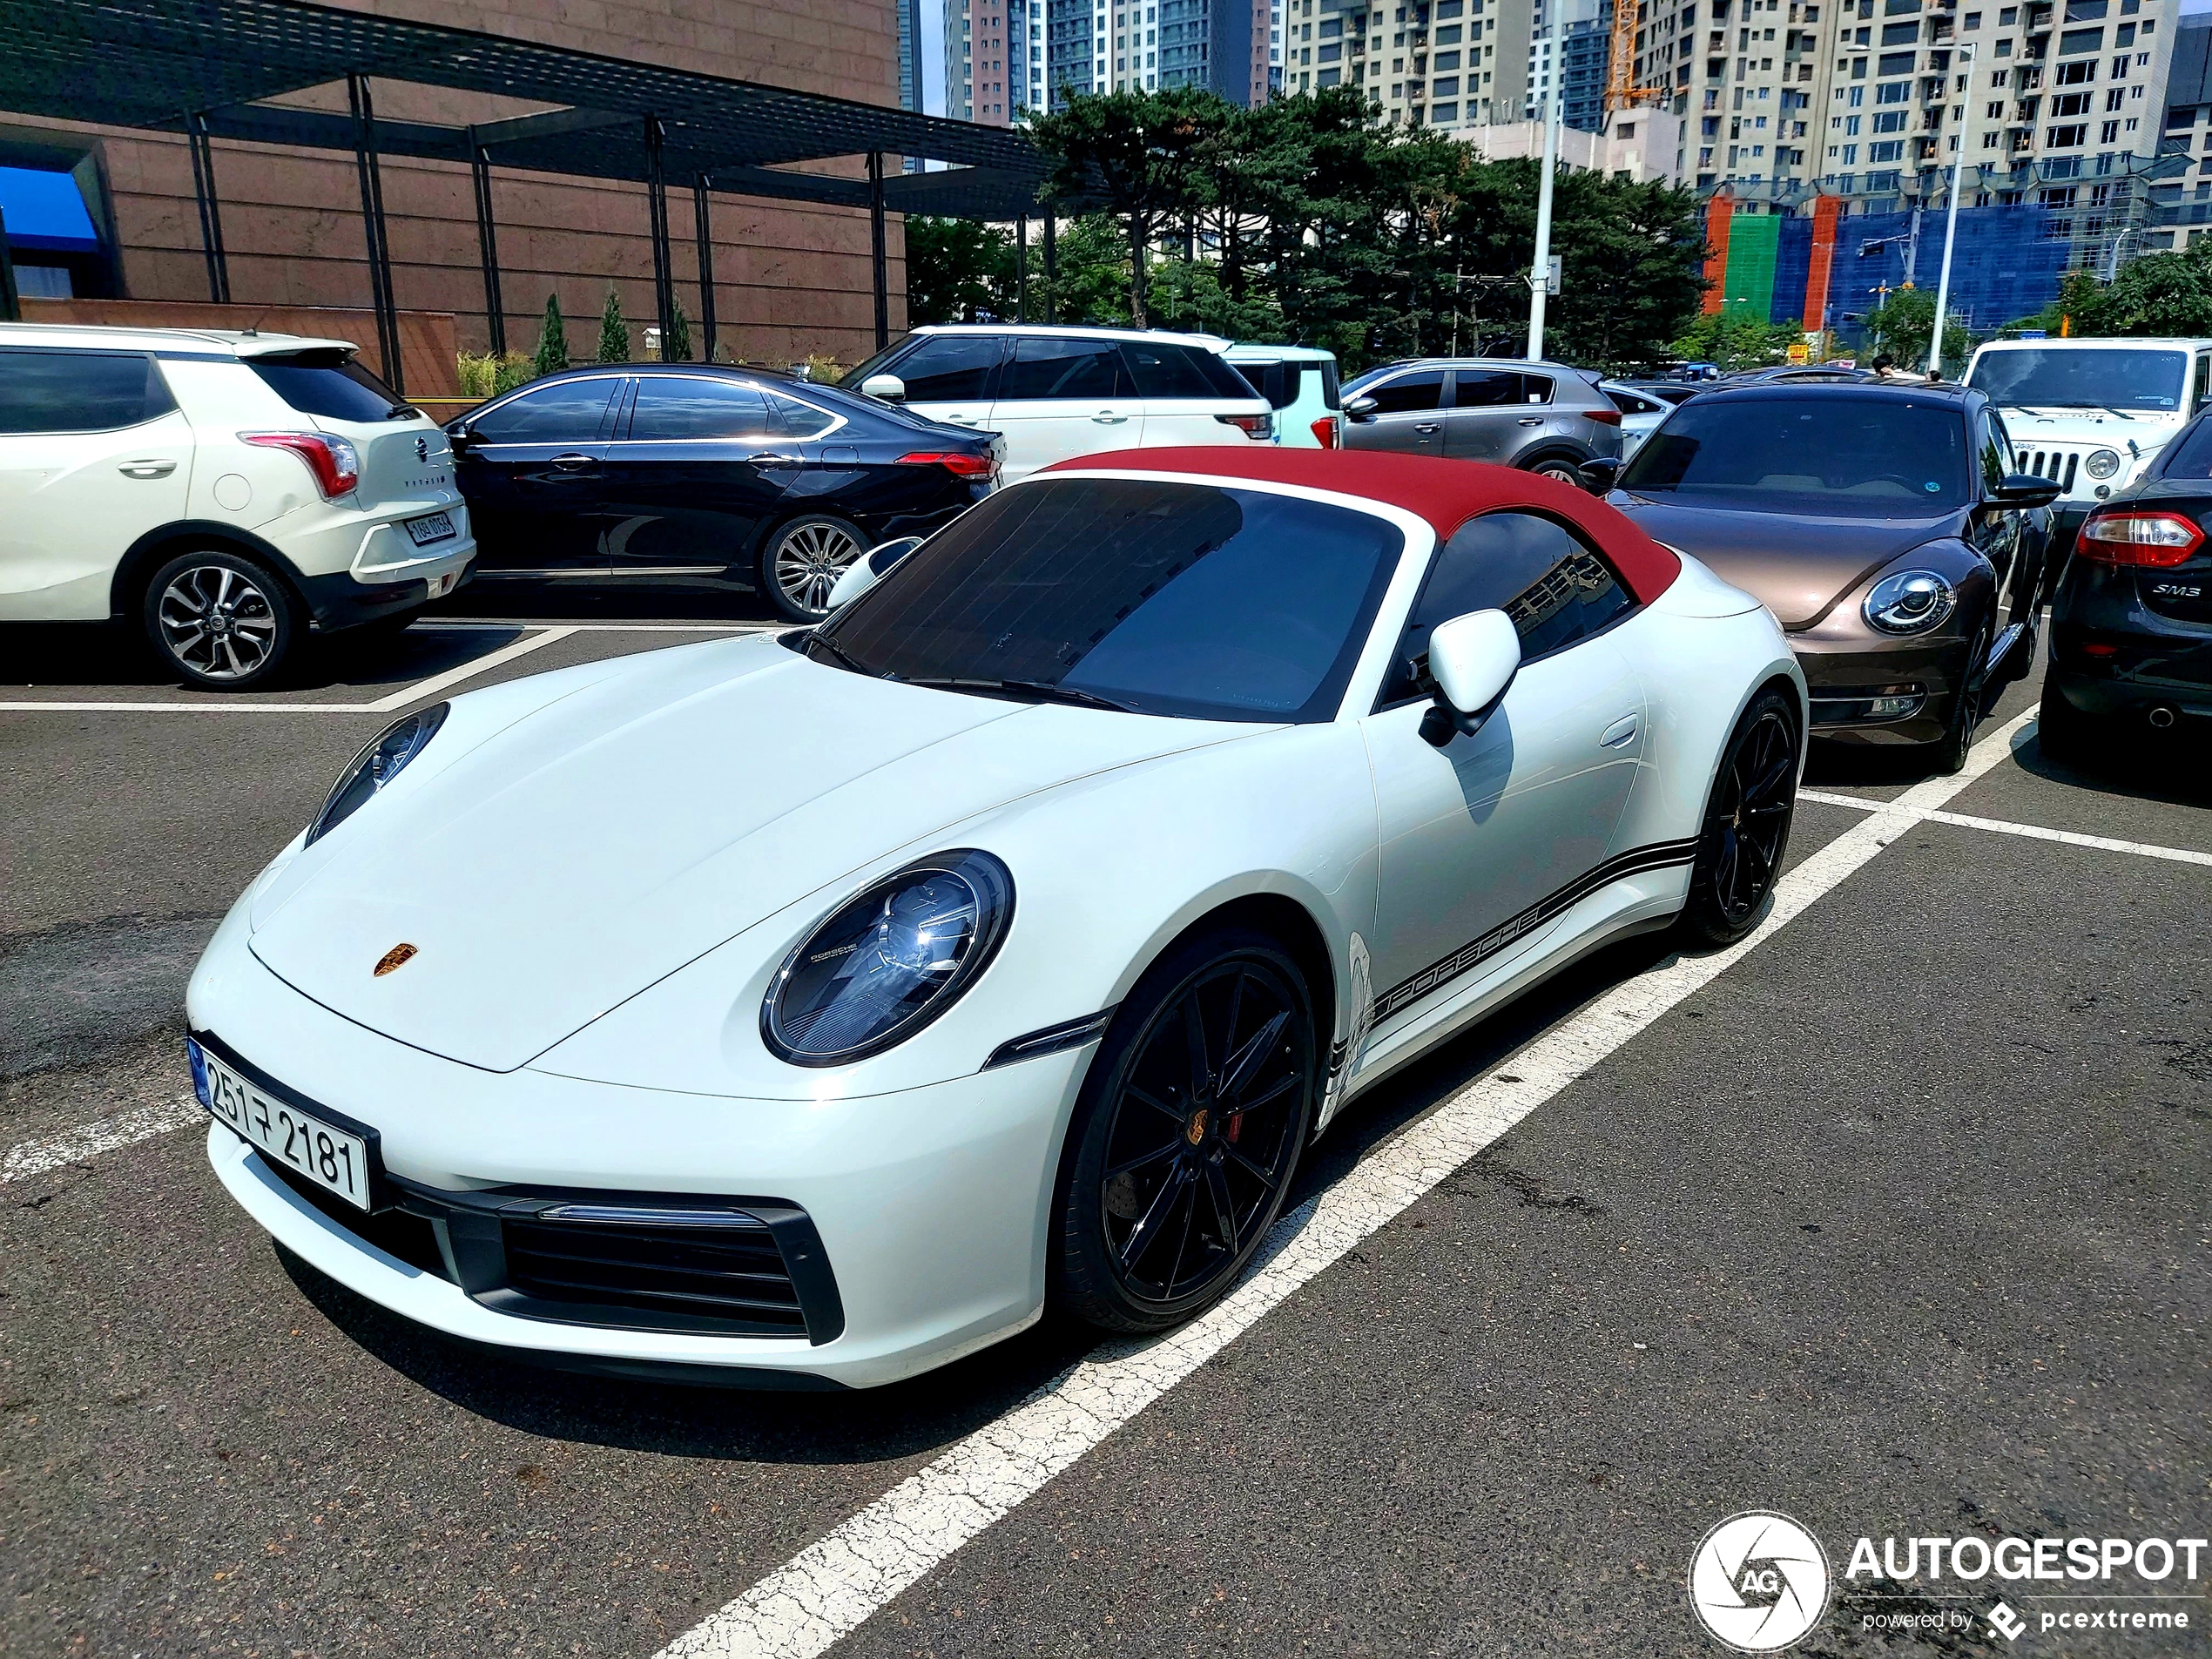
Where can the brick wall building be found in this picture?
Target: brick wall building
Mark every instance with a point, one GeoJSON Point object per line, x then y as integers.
{"type": "Point", "coordinates": [790, 278]}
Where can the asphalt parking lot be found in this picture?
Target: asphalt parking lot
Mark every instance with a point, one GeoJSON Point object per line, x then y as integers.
{"type": "Point", "coordinates": [1893, 1219]}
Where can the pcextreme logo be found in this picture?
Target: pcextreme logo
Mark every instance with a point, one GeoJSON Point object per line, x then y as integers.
{"type": "Point", "coordinates": [1759, 1582]}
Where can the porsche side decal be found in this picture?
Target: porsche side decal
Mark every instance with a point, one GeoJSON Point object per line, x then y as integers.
{"type": "Point", "coordinates": [1656, 856]}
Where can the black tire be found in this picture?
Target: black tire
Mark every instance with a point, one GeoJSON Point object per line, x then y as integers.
{"type": "Point", "coordinates": [2062, 731]}
{"type": "Point", "coordinates": [800, 561]}
{"type": "Point", "coordinates": [1746, 828]}
{"type": "Point", "coordinates": [1560, 467]}
{"type": "Point", "coordinates": [221, 621]}
{"type": "Point", "coordinates": [1198, 1147]}
{"type": "Point", "coordinates": [1966, 706]}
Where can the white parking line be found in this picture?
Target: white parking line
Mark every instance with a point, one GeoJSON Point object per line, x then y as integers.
{"type": "Point", "coordinates": [443, 623]}
{"type": "Point", "coordinates": [2033, 832]}
{"type": "Point", "coordinates": [27, 1158]}
{"type": "Point", "coordinates": [398, 699]}
{"type": "Point", "coordinates": [834, 1585]}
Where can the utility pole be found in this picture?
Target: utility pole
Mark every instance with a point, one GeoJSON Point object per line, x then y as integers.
{"type": "Point", "coordinates": [1539, 271]}
{"type": "Point", "coordinates": [1950, 232]}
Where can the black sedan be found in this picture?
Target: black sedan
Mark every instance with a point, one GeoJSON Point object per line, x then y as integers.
{"type": "Point", "coordinates": [1882, 525]}
{"type": "Point", "coordinates": [2131, 626]}
{"type": "Point", "coordinates": [698, 476]}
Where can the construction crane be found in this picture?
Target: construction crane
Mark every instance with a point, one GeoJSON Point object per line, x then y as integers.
{"type": "Point", "coordinates": [1621, 91]}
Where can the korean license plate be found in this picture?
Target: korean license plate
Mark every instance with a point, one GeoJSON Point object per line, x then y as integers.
{"type": "Point", "coordinates": [437, 527]}
{"type": "Point", "coordinates": [322, 1151]}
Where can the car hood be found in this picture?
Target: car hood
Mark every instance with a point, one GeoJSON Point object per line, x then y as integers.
{"type": "Point", "coordinates": [1797, 566]}
{"type": "Point", "coordinates": [572, 858]}
{"type": "Point", "coordinates": [2040, 423]}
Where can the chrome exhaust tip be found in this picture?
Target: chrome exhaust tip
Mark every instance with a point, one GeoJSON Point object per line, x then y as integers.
{"type": "Point", "coordinates": [2161, 717]}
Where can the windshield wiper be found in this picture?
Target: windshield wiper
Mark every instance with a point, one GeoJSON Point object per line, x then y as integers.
{"type": "Point", "coordinates": [1036, 689]}
{"type": "Point", "coordinates": [843, 656]}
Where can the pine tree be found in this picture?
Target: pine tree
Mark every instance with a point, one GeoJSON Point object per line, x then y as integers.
{"type": "Point", "coordinates": [614, 334]}
{"type": "Point", "coordinates": [552, 354]}
{"type": "Point", "coordinates": [677, 348]}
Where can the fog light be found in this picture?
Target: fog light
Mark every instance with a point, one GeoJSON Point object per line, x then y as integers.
{"type": "Point", "coordinates": [1891, 708]}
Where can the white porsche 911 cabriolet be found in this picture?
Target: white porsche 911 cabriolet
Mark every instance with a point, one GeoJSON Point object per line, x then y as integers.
{"type": "Point", "coordinates": [813, 1010]}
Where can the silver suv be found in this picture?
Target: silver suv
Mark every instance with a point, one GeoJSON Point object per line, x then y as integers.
{"type": "Point", "coordinates": [1543, 418]}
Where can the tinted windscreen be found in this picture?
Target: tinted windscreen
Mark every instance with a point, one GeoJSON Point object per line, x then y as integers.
{"type": "Point", "coordinates": [78, 391]}
{"type": "Point", "coordinates": [1198, 600]}
{"type": "Point", "coordinates": [2089, 379]}
{"type": "Point", "coordinates": [1814, 452]}
{"type": "Point", "coordinates": [331, 384]}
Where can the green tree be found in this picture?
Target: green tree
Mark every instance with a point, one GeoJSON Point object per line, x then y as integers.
{"type": "Point", "coordinates": [552, 352]}
{"type": "Point", "coordinates": [614, 334]}
{"type": "Point", "coordinates": [958, 270]}
{"type": "Point", "coordinates": [677, 348]}
{"type": "Point", "coordinates": [1091, 280]}
{"type": "Point", "coordinates": [1903, 325]}
{"type": "Point", "coordinates": [1135, 152]}
{"type": "Point", "coordinates": [2159, 293]}
{"type": "Point", "coordinates": [1735, 340]}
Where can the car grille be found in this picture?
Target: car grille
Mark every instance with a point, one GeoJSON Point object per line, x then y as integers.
{"type": "Point", "coordinates": [732, 1271]}
{"type": "Point", "coordinates": [2058, 465]}
{"type": "Point", "coordinates": [394, 1232]}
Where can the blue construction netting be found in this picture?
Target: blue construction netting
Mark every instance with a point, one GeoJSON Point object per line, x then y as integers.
{"type": "Point", "coordinates": [2007, 263]}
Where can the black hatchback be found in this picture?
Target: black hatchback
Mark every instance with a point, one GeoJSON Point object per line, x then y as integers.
{"type": "Point", "coordinates": [2131, 624]}
{"type": "Point", "coordinates": [695, 475]}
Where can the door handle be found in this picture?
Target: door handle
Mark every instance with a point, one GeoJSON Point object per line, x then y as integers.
{"type": "Point", "coordinates": [1532, 420]}
{"type": "Point", "coordinates": [1428, 426]}
{"type": "Point", "coordinates": [1107, 418]}
{"type": "Point", "coordinates": [1621, 731]}
{"type": "Point", "coordinates": [147, 468]}
{"type": "Point", "coordinates": [771, 456]}
{"type": "Point", "coordinates": [572, 462]}
{"type": "Point", "coordinates": [960, 419]}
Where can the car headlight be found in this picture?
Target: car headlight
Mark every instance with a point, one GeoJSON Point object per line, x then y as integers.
{"type": "Point", "coordinates": [1912, 602]}
{"type": "Point", "coordinates": [2101, 463]}
{"type": "Point", "coordinates": [886, 962]}
{"type": "Point", "coordinates": [376, 765]}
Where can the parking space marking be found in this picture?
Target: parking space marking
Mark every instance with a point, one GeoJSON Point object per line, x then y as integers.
{"type": "Point", "coordinates": [837, 1584]}
{"type": "Point", "coordinates": [2033, 832]}
{"type": "Point", "coordinates": [37, 1157]}
{"type": "Point", "coordinates": [386, 705]}
{"type": "Point", "coordinates": [443, 623]}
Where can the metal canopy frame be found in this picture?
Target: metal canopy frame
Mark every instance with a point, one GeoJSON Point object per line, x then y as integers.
{"type": "Point", "coordinates": [214, 68]}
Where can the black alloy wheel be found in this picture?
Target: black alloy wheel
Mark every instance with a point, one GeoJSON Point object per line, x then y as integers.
{"type": "Point", "coordinates": [1747, 823]}
{"type": "Point", "coordinates": [1194, 1114]}
{"type": "Point", "coordinates": [1957, 739]}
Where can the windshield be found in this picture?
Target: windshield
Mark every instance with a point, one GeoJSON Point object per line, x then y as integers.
{"type": "Point", "coordinates": [2090, 378]}
{"type": "Point", "coordinates": [1817, 452]}
{"type": "Point", "coordinates": [1205, 601]}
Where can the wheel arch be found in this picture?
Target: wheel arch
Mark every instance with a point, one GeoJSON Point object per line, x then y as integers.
{"type": "Point", "coordinates": [1553, 450]}
{"type": "Point", "coordinates": [150, 551]}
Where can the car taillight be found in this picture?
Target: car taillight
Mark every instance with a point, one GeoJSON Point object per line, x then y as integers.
{"type": "Point", "coordinates": [1324, 432]}
{"type": "Point", "coordinates": [2158, 540]}
{"type": "Point", "coordinates": [967, 466]}
{"type": "Point", "coordinates": [335, 463]}
{"type": "Point", "coordinates": [1259, 428]}
{"type": "Point", "coordinates": [1604, 417]}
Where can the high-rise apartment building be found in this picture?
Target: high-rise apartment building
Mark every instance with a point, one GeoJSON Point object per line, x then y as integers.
{"type": "Point", "coordinates": [1222, 45]}
{"type": "Point", "coordinates": [987, 59]}
{"type": "Point", "coordinates": [2055, 103]}
{"type": "Point", "coordinates": [1568, 38]}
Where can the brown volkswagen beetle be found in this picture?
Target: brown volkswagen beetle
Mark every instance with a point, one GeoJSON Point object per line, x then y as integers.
{"type": "Point", "coordinates": [1882, 524]}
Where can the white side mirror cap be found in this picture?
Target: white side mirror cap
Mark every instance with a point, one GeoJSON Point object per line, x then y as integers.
{"type": "Point", "coordinates": [870, 568]}
{"type": "Point", "coordinates": [889, 388]}
{"type": "Point", "coordinates": [1473, 659]}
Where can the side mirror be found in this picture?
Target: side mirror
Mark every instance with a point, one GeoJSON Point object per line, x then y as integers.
{"type": "Point", "coordinates": [2026, 489]}
{"type": "Point", "coordinates": [1359, 409]}
{"type": "Point", "coordinates": [1473, 660]}
{"type": "Point", "coordinates": [870, 568]}
{"type": "Point", "coordinates": [889, 388]}
{"type": "Point", "coordinates": [1599, 472]}
{"type": "Point", "coordinates": [460, 437]}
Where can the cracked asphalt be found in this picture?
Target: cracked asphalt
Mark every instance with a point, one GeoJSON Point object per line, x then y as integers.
{"type": "Point", "coordinates": [1898, 1226]}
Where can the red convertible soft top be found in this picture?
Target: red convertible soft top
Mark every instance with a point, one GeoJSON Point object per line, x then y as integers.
{"type": "Point", "coordinates": [1446, 493]}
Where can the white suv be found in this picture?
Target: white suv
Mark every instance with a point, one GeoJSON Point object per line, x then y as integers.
{"type": "Point", "coordinates": [229, 492]}
{"type": "Point", "coordinates": [1054, 393]}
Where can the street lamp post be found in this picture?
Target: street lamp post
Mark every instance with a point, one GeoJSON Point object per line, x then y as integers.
{"type": "Point", "coordinates": [1540, 272]}
{"type": "Point", "coordinates": [1950, 227]}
